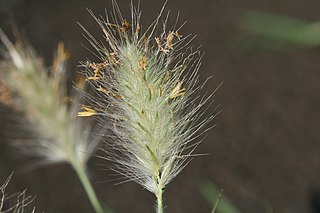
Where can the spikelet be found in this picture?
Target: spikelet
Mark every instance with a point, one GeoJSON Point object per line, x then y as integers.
{"type": "Point", "coordinates": [40, 93]}
{"type": "Point", "coordinates": [148, 94]}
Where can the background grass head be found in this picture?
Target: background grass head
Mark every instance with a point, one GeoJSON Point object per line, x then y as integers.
{"type": "Point", "coordinates": [40, 92]}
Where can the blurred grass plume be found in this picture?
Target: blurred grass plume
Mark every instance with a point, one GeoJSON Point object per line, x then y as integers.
{"type": "Point", "coordinates": [41, 94]}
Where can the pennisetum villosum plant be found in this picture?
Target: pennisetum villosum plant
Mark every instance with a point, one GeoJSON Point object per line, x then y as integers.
{"type": "Point", "coordinates": [40, 93]}
{"type": "Point", "coordinates": [147, 93]}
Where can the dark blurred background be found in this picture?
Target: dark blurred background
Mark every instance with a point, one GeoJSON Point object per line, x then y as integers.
{"type": "Point", "coordinates": [265, 150]}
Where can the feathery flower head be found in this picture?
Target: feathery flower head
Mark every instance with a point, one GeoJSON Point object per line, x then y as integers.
{"type": "Point", "coordinates": [147, 93]}
{"type": "Point", "coordinates": [40, 93]}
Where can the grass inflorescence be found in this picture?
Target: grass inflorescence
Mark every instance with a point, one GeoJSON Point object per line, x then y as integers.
{"type": "Point", "coordinates": [40, 93]}
{"type": "Point", "coordinates": [147, 93]}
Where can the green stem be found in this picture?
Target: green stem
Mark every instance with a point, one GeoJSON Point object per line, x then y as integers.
{"type": "Point", "coordinates": [159, 201]}
{"type": "Point", "coordinates": [80, 170]}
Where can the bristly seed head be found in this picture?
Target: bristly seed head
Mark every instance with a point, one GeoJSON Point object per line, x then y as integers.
{"type": "Point", "coordinates": [40, 93]}
{"type": "Point", "coordinates": [147, 95]}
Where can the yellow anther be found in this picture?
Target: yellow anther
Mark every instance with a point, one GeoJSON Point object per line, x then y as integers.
{"type": "Point", "coordinates": [177, 91]}
{"type": "Point", "coordinates": [117, 96]}
{"type": "Point", "coordinates": [166, 51]}
{"type": "Point", "coordinates": [152, 89]}
{"type": "Point", "coordinates": [125, 26]}
{"type": "Point", "coordinates": [160, 92]}
{"type": "Point", "coordinates": [92, 78]}
{"type": "Point", "coordinates": [112, 58]}
{"type": "Point", "coordinates": [143, 63]}
{"type": "Point", "coordinates": [97, 69]}
{"type": "Point", "coordinates": [169, 43]}
{"type": "Point", "coordinates": [101, 89]}
{"type": "Point", "coordinates": [178, 35]}
{"type": "Point", "coordinates": [88, 112]}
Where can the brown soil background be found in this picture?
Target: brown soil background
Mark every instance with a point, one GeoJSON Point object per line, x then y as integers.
{"type": "Point", "coordinates": [265, 150]}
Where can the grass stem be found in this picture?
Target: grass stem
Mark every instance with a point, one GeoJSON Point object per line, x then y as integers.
{"type": "Point", "coordinates": [159, 201]}
{"type": "Point", "coordinates": [80, 170]}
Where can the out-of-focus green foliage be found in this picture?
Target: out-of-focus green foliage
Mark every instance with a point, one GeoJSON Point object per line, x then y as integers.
{"type": "Point", "coordinates": [281, 28]}
{"type": "Point", "coordinates": [213, 195]}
